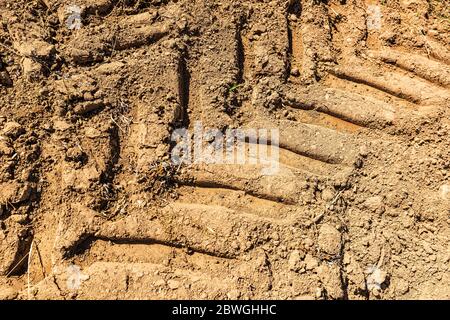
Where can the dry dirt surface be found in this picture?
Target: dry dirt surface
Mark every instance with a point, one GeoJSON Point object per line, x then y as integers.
{"type": "Point", "coordinates": [91, 206]}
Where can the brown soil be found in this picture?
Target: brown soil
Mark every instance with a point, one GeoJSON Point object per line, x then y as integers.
{"type": "Point", "coordinates": [359, 210]}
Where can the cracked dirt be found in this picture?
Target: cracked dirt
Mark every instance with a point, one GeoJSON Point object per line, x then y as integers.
{"type": "Point", "coordinates": [91, 206]}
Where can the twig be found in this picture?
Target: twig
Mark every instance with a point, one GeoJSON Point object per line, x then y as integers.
{"type": "Point", "coordinates": [30, 254]}
{"type": "Point", "coordinates": [381, 260]}
{"type": "Point", "coordinates": [118, 125]}
{"type": "Point", "coordinates": [17, 264]}
{"type": "Point", "coordinates": [336, 197]}
{"type": "Point", "coordinates": [319, 217]}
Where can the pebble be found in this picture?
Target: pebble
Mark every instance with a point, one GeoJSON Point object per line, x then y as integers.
{"type": "Point", "coordinates": [292, 17]}
{"type": "Point", "coordinates": [295, 72]}
{"type": "Point", "coordinates": [311, 262]}
{"type": "Point", "coordinates": [110, 68]}
{"type": "Point", "coordinates": [88, 106]}
{"type": "Point", "coordinates": [5, 148]}
{"type": "Point", "coordinates": [328, 194]}
{"type": "Point", "coordinates": [375, 204]}
{"type": "Point", "coordinates": [19, 218]}
{"type": "Point", "coordinates": [37, 48]}
{"type": "Point", "coordinates": [61, 125]}
{"type": "Point", "coordinates": [31, 69]}
{"type": "Point", "coordinates": [160, 283]}
{"type": "Point", "coordinates": [92, 133]}
{"type": "Point", "coordinates": [87, 96]}
{"type": "Point", "coordinates": [173, 284]}
{"type": "Point", "coordinates": [233, 295]}
{"type": "Point", "coordinates": [376, 278]}
{"type": "Point", "coordinates": [74, 154]}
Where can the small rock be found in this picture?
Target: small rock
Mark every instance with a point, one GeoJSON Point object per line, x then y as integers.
{"type": "Point", "coordinates": [311, 262]}
{"type": "Point", "coordinates": [44, 92]}
{"type": "Point", "coordinates": [74, 154]}
{"type": "Point", "coordinates": [329, 239]}
{"type": "Point", "coordinates": [295, 72]}
{"type": "Point", "coordinates": [5, 148]}
{"type": "Point", "coordinates": [61, 125]}
{"type": "Point", "coordinates": [308, 243]}
{"type": "Point", "coordinates": [401, 286]}
{"type": "Point", "coordinates": [13, 129]}
{"type": "Point", "coordinates": [376, 278]}
{"type": "Point", "coordinates": [328, 194]}
{"type": "Point", "coordinates": [88, 106]}
{"type": "Point", "coordinates": [82, 56]}
{"type": "Point", "coordinates": [38, 48]}
{"type": "Point", "coordinates": [173, 284]}
{"type": "Point", "coordinates": [275, 236]}
{"type": "Point", "coordinates": [92, 133]}
{"type": "Point", "coordinates": [319, 293]}
{"type": "Point", "coordinates": [233, 295]}
{"type": "Point", "coordinates": [160, 283]}
{"type": "Point", "coordinates": [87, 96]}
{"type": "Point", "coordinates": [31, 69]}
{"type": "Point", "coordinates": [170, 43]}
{"type": "Point", "coordinates": [19, 218]}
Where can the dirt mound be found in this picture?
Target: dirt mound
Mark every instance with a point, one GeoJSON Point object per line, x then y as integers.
{"type": "Point", "coordinates": [92, 205]}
